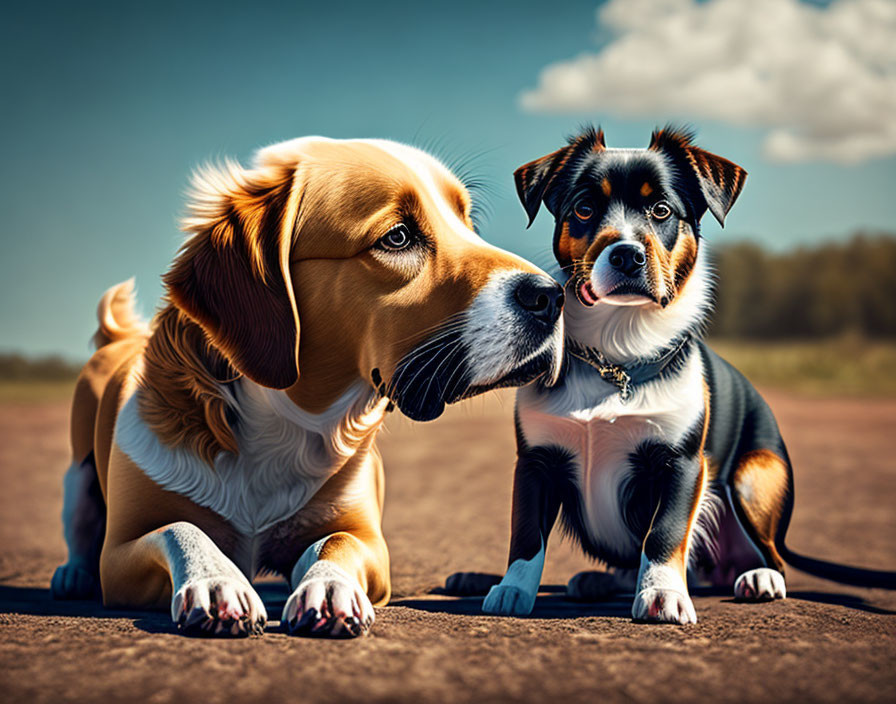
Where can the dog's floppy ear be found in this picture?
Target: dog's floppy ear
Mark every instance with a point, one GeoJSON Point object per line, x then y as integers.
{"type": "Point", "coordinates": [718, 180]}
{"type": "Point", "coordinates": [232, 275]}
{"type": "Point", "coordinates": [533, 180]}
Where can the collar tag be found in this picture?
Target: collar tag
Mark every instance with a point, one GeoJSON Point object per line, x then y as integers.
{"type": "Point", "coordinates": [617, 375]}
{"type": "Point", "coordinates": [614, 374]}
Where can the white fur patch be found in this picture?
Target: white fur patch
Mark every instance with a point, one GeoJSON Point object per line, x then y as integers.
{"type": "Point", "coordinates": [761, 584]}
{"type": "Point", "coordinates": [587, 417]}
{"type": "Point", "coordinates": [328, 589]}
{"type": "Point", "coordinates": [662, 595]}
{"type": "Point", "coordinates": [493, 329]}
{"type": "Point", "coordinates": [201, 573]}
{"type": "Point", "coordinates": [286, 454]}
{"type": "Point", "coordinates": [626, 333]}
{"type": "Point", "coordinates": [705, 532]}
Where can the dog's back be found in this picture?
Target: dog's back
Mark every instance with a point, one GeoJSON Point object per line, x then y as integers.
{"type": "Point", "coordinates": [740, 421]}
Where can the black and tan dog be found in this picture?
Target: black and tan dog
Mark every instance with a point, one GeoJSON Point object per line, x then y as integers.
{"type": "Point", "coordinates": [649, 441]}
{"type": "Point", "coordinates": [236, 434]}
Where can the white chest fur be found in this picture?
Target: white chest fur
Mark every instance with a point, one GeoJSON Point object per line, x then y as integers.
{"type": "Point", "coordinates": [587, 417]}
{"type": "Point", "coordinates": [286, 454]}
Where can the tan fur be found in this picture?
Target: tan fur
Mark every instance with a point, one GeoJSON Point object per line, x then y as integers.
{"type": "Point", "coordinates": [117, 317]}
{"type": "Point", "coordinates": [668, 271]}
{"type": "Point", "coordinates": [682, 258]}
{"type": "Point", "coordinates": [277, 282]}
{"type": "Point", "coordinates": [761, 481]}
{"type": "Point", "coordinates": [120, 337]}
{"type": "Point", "coordinates": [183, 404]}
{"type": "Point", "coordinates": [602, 240]}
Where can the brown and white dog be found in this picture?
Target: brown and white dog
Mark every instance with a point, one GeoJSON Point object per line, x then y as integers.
{"type": "Point", "coordinates": [235, 434]}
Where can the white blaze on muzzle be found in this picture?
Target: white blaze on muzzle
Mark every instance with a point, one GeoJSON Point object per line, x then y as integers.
{"type": "Point", "coordinates": [498, 337]}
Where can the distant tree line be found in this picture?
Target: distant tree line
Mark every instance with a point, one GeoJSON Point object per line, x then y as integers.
{"type": "Point", "coordinates": [17, 367]}
{"type": "Point", "coordinates": [832, 289]}
{"type": "Point", "coordinates": [829, 290]}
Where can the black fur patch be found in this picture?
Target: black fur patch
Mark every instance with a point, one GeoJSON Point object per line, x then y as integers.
{"type": "Point", "coordinates": [658, 495]}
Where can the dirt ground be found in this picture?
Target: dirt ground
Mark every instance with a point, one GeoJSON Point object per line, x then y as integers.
{"type": "Point", "coordinates": [447, 509]}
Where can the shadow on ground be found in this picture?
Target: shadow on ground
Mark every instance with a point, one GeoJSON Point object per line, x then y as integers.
{"type": "Point", "coordinates": [551, 604]}
{"type": "Point", "coordinates": [40, 602]}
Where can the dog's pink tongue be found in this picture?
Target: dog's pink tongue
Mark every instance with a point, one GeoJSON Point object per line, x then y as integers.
{"type": "Point", "coordinates": [586, 293]}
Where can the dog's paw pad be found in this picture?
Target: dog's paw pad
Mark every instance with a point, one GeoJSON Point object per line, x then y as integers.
{"type": "Point", "coordinates": [218, 607]}
{"type": "Point", "coordinates": [507, 600]}
{"type": "Point", "coordinates": [761, 584]}
{"type": "Point", "coordinates": [74, 582]}
{"type": "Point", "coordinates": [663, 606]}
{"type": "Point", "coordinates": [592, 586]}
{"type": "Point", "coordinates": [328, 604]}
{"type": "Point", "coordinates": [470, 583]}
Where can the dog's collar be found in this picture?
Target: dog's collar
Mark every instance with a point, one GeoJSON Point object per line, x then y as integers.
{"type": "Point", "coordinates": [625, 377]}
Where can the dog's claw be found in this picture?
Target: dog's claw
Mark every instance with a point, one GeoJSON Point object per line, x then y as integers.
{"type": "Point", "coordinates": [218, 606]}
{"type": "Point", "coordinates": [657, 605]}
{"type": "Point", "coordinates": [761, 584]}
{"type": "Point", "coordinates": [328, 604]}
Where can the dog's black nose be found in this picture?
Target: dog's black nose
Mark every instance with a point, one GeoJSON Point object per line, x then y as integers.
{"type": "Point", "coordinates": [541, 296]}
{"type": "Point", "coordinates": [628, 258]}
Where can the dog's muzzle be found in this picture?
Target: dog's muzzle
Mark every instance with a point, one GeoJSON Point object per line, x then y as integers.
{"type": "Point", "coordinates": [510, 334]}
{"type": "Point", "coordinates": [618, 276]}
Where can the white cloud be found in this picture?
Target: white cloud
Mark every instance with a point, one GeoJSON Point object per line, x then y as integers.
{"type": "Point", "coordinates": [822, 81]}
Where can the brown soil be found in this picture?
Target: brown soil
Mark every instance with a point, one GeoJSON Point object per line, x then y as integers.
{"type": "Point", "coordinates": [447, 509]}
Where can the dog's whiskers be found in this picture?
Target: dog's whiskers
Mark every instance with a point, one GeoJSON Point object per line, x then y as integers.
{"type": "Point", "coordinates": [448, 346]}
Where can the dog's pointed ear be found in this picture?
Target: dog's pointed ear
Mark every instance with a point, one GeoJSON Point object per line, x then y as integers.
{"type": "Point", "coordinates": [232, 275]}
{"type": "Point", "coordinates": [533, 180]}
{"type": "Point", "coordinates": [719, 181]}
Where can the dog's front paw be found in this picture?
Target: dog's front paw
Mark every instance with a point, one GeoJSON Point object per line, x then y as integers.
{"type": "Point", "coordinates": [761, 584]}
{"type": "Point", "coordinates": [507, 600]}
{"type": "Point", "coordinates": [328, 603]}
{"type": "Point", "coordinates": [218, 606]}
{"type": "Point", "coordinates": [73, 581]}
{"type": "Point", "coordinates": [663, 606]}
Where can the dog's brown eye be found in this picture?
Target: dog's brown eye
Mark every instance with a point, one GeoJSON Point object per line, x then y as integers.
{"type": "Point", "coordinates": [583, 210]}
{"type": "Point", "coordinates": [399, 237]}
{"type": "Point", "coordinates": [660, 210]}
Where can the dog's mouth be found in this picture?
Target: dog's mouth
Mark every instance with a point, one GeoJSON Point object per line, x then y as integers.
{"type": "Point", "coordinates": [622, 295]}
{"type": "Point", "coordinates": [435, 375]}
{"type": "Point", "coordinates": [585, 293]}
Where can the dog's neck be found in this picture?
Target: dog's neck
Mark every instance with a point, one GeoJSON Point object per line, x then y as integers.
{"type": "Point", "coordinates": [192, 398]}
{"type": "Point", "coordinates": [629, 334]}
{"type": "Point", "coordinates": [345, 426]}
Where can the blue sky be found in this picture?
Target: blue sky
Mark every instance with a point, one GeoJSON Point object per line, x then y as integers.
{"type": "Point", "coordinates": [107, 107]}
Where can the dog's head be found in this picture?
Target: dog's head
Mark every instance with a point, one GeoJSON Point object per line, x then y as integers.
{"type": "Point", "coordinates": [332, 261]}
{"type": "Point", "coordinates": [627, 220]}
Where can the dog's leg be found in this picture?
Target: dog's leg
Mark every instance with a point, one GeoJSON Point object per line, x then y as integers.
{"type": "Point", "coordinates": [535, 507]}
{"type": "Point", "coordinates": [662, 593]}
{"type": "Point", "coordinates": [592, 585]}
{"type": "Point", "coordinates": [84, 523]}
{"type": "Point", "coordinates": [335, 583]}
{"type": "Point", "coordinates": [179, 563]}
{"type": "Point", "coordinates": [761, 486]}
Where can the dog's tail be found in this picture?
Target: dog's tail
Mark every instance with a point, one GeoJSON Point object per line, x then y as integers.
{"type": "Point", "coordinates": [118, 319]}
{"type": "Point", "coordinates": [844, 574]}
